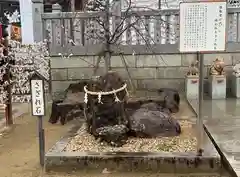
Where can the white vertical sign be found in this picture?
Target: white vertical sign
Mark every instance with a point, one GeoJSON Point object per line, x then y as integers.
{"type": "Point", "coordinates": [27, 30]}
{"type": "Point", "coordinates": [37, 91]}
{"type": "Point", "coordinates": [203, 26]}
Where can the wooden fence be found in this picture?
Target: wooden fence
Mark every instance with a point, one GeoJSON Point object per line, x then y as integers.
{"type": "Point", "coordinates": [155, 32]}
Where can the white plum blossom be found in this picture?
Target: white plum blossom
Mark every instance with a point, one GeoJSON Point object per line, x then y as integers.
{"type": "Point", "coordinates": [27, 59]}
{"type": "Point", "coordinates": [94, 5]}
{"type": "Point", "coordinates": [14, 17]}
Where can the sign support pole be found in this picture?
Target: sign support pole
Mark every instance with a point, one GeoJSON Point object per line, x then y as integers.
{"type": "Point", "coordinates": [38, 110]}
{"type": "Point", "coordinates": [200, 104]}
{"type": "Point", "coordinates": [41, 140]}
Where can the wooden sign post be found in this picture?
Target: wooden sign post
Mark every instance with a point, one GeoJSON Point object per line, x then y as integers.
{"type": "Point", "coordinates": [38, 109]}
{"type": "Point", "coordinates": [202, 30]}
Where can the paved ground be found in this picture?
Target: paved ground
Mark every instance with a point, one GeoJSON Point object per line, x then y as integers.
{"type": "Point", "coordinates": [18, 110]}
{"type": "Point", "coordinates": [19, 152]}
{"type": "Point", "coordinates": [222, 119]}
{"type": "Point", "coordinates": [19, 146]}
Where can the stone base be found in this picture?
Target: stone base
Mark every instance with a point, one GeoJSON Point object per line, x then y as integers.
{"type": "Point", "coordinates": [235, 88]}
{"type": "Point", "coordinates": [56, 159]}
{"type": "Point", "coordinates": [191, 86]}
{"type": "Point", "coordinates": [217, 87]}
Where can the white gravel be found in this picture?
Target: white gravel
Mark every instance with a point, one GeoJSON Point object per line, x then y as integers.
{"type": "Point", "coordinates": [186, 142]}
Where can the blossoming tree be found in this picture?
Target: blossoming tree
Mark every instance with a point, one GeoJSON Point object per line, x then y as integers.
{"type": "Point", "coordinates": [28, 60]}
{"type": "Point", "coordinates": [17, 65]}
{"type": "Point", "coordinates": [115, 21]}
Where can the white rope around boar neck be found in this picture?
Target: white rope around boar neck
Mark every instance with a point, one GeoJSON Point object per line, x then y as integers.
{"type": "Point", "coordinates": [99, 94]}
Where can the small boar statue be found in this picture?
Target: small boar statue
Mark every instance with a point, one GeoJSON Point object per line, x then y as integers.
{"type": "Point", "coordinates": [217, 68]}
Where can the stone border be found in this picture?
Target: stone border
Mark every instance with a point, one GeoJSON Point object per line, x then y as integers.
{"type": "Point", "coordinates": [164, 162]}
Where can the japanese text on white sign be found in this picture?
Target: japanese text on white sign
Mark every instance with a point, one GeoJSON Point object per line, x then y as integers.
{"type": "Point", "coordinates": [37, 98]}
{"type": "Point", "coordinates": [203, 26]}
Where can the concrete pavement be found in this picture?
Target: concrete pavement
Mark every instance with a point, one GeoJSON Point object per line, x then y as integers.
{"type": "Point", "coordinates": [222, 122]}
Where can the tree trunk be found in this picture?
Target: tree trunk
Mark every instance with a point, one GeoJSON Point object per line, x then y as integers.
{"type": "Point", "coordinates": [107, 53]}
{"type": "Point", "coordinates": [159, 4]}
{"type": "Point", "coordinates": [9, 119]}
{"type": "Point", "coordinates": [107, 60]}
{"type": "Point", "coordinates": [72, 5]}
{"type": "Point", "coordinates": [8, 109]}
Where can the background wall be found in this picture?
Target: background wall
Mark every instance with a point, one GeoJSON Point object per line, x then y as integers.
{"type": "Point", "coordinates": [148, 72]}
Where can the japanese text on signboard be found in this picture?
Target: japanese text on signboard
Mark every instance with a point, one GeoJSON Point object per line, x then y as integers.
{"type": "Point", "coordinates": [37, 97]}
{"type": "Point", "coordinates": [203, 26]}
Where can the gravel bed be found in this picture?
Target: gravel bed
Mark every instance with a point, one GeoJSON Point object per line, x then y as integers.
{"type": "Point", "coordinates": [186, 142]}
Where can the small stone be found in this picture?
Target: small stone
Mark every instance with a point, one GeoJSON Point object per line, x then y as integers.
{"type": "Point", "coordinates": [105, 171]}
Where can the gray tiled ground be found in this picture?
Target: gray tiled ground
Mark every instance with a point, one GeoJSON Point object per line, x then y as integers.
{"type": "Point", "coordinates": [222, 120]}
